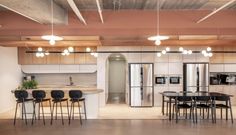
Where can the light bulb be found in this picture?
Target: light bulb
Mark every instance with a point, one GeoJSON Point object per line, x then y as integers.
{"type": "Point", "coordinates": [52, 42]}
{"type": "Point", "coordinates": [210, 54]}
{"type": "Point", "coordinates": [190, 52]}
{"type": "Point", "coordinates": [37, 54]}
{"type": "Point", "coordinates": [163, 51]}
{"type": "Point", "coordinates": [92, 54]}
{"type": "Point", "coordinates": [208, 49]}
{"type": "Point", "coordinates": [95, 54]}
{"type": "Point", "coordinates": [181, 49]}
{"type": "Point", "coordinates": [158, 42]}
{"type": "Point", "coordinates": [63, 54]}
{"type": "Point", "coordinates": [185, 52]}
{"type": "Point", "coordinates": [46, 53]}
{"type": "Point", "coordinates": [88, 49]}
{"type": "Point", "coordinates": [203, 51]}
{"type": "Point", "coordinates": [167, 49]}
{"type": "Point", "coordinates": [65, 51]}
{"type": "Point", "coordinates": [40, 49]}
{"type": "Point", "coordinates": [41, 54]}
{"type": "Point", "coordinates": [71, 49]}
{"type": "Point", "coordinates": [206, 54]}
{"type": "Point", "coordinates": [158, 54]}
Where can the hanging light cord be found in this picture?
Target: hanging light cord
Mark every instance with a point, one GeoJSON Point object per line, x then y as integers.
{"type": "Point", "coordinates": [52, 16]}
{"type": "Point", "coordinates": [158, 17]}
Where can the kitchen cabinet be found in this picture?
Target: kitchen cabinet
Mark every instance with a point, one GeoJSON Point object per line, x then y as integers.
{"type": "Point", "coordinates": [23, 57]}
{"type": "Point", "coordinates": [161, 68]}
{"type": "Point", "coordinates": [216, 68]}
{"type": "Point", "coordinates": [55, 58]}
{"type": "Point", "coordinates": [229, 57]}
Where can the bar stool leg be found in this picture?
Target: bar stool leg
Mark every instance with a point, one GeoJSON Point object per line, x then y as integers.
{"type": "Point", "coordinates": [71, 106]}
{"type": "Point", "coordinates": [56, 111]}
{"type": "Point", "coordinates": [39, 111]}
{"type": "Point", "coordinates": [23, 103]}
{"type": "Point", "coordinates": [33, 116]}
{"type": "Point", "coordinates": [42, 112]}
{"type": "Point", "coordinates": [80, 114]}
{"type": "Point", "coordinates": [231, 113]}
{"type": "Point", "coordinates": [85, 113]}
{"type": "Point", "coordinates": [15, 113]}
{"type": "Point", "coordinates": [67, 106]}
{"type": "Point", "coordinates": [52, 112]}
{"type": "Point", "coordinates": [61, 114]}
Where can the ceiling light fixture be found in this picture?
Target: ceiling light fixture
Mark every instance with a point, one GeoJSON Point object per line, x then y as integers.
{"type": "Point", "coordinates": [88, 49]}
{"type": "Point", "coordinates": [181, 49]}
{"type": "Point", "coordinates": [70, 49]}
{"type": "Point", "coordinates": [167, 49]}
{"type": "Point", "coordinates": [52, 38]}
{"type": "Point", "coordinates": [158, 54]}
{"type": "Point", "coordinates": [158, 38]}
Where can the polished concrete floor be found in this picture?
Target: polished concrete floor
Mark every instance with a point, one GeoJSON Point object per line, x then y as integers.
{"type": "Point", "coordinates": [119, 127]}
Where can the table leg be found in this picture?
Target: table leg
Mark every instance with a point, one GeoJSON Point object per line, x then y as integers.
{"type": "Point", "coordinates": [162, 106]}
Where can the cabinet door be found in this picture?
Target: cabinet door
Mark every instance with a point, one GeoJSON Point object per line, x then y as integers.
{"type": "Point", "coordinates": [90, 59]}
{"type": "Point", "coordinates": [38, 60]}
{"type": "Point", "coordinates": [67, 59]}
{"type": "Point", "coordinates": [23, 57]}
{"type": "Point", "coordinates": [217, 57]}
{"type": "Point", "coordinates": [80, 57]}
{"type": "Point", "coordinates": [229, 57]}
{"type": "Point", "coordinates": [53, 58]}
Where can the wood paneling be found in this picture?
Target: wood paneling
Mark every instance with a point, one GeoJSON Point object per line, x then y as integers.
{"type": "Point", "coordinates": [80, 57]}
{"type": "Point", "coordinates": [38, 60]}
{"type": "Point", "coordinates": [90, 59]}
{"type": "Point", "coordinates": [67, 59]}
{"type": "Point", "coordinates": [53, 58]}
{"type": "Point", "coordinates": [230, 57]}
{"type": "Point", "coordinates": [217, 57]}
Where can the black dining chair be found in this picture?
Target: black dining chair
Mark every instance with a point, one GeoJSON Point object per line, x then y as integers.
{"type": "Point", "coordinates": [21, 98]}
{"type": "Point", "coordinates": [167, 101]}
{"type": "Point", "coordinates": [76, 96]}
{"type": "Point", "coordinates": [39, 98]}
{"type": "Point", "coordinates": [205, 103]}
{"type": "Point", "coordinates": [183, 102]}
{"type": "Point", "coordinates": [58, 98]}
{"type": "Point", "coordinates": [223, 102]}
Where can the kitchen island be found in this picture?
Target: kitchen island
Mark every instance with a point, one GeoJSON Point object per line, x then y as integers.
{"type": "Point", "coordinates": [90, 93]}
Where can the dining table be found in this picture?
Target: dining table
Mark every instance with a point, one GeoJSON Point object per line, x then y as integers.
{"type": "Point", "coordinates": [172, 96]}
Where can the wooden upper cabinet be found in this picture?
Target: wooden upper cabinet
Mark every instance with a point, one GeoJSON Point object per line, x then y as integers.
{"type": "Point", "coordinates": [53, 58]}
{"type": "Point", "coordinates": [79, 57]}
{"type": "Point", "coordinates": [217, 57]}
{"type": "Point", "coordinates": [23, 57]}
{"type": "Point", "coordinates": [90, 59]}
{"type": "Point", "coordinates": [67, 59]}
{"type": "Point", "coordinates": [230, 57]}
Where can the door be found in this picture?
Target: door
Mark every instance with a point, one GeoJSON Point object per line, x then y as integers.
{"type": "Point", "coordinates": [141, 85]}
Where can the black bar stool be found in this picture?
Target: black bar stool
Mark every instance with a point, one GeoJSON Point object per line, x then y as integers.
{"type": "Point", "coordinates": [58, 97]}
{"type": "Point", "coordinates": [76, 96]}
{"type": "Point", "coordinates": [21, 98]}
{"type": "Point", "coordinates": [39, 98]}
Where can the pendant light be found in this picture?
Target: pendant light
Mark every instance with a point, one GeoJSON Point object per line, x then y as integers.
{"type": "Point", "coordinates": [158, 38]}
{"type": "Point", "coordinates": [52, 38]}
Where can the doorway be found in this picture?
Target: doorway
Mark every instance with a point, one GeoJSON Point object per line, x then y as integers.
{"type": "Point", "coordinates": [117, 79]}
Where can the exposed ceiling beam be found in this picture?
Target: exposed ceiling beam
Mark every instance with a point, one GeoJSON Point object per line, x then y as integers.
{"type": "Point", "coordinates": [99, 10]}
{"type": "Point", "coordinates": [36, 10]}
{"type": "Point", "coordinates": [76, 11]}
{"type": "Point", "coordinates": [215, 11]}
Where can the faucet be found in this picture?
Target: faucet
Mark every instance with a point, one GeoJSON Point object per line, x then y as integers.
{"type": "Point", "coordinates": [71, 81]}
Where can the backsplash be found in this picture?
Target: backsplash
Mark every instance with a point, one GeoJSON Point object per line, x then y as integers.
{"type": "Point", "coordinates": [88, 79]}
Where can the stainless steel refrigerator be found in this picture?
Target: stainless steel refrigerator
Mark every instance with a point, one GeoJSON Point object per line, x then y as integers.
{"type": "Point", "coordinates": [196, 77]}
{"type": "Point", "coordinates": [141, 84]}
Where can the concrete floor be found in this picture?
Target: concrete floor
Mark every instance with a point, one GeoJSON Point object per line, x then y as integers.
{"type": "Point", "coordinates": [119, 127]}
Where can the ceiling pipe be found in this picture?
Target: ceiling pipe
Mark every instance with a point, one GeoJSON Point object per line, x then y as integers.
{"type": "Point", "coordinates": [76, 11]}
{"type": "Point", "coordinates": [215, 11]}
{"type": "Point", "coordinates": [99, 10]}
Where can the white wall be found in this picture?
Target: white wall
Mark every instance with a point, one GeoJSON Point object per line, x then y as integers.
{"type": "Point", "coordinates": [10, 77]}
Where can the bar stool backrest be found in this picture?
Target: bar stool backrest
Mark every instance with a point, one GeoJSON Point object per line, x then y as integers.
{"type": "Point", "coordinates": [75, 94]}
{"type": "Point", "coordinates": [57, 94]}
{"type": "Point", "coordinates": [202, 98]}
{"type": "Point", "coordinates": [39, 94]}
{"type": "Point", "coordinates": [21, 94]}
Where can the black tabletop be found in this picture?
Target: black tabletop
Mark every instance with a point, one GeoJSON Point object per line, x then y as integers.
{"type": "Point", "coordinates": [195, 94]}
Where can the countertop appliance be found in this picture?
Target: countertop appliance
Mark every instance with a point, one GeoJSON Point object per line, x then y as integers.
{"type": "Point", "coordinates": [174, 80]}
{"type": "Point", "coordinates": [141, 84]}
{"type": "Point", "coordinates": [196, 77]}
{"type": "Point", "coordinates": [160, 80]}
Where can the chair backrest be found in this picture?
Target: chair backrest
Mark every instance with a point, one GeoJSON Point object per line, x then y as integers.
{"type": "Point", "coordinates": [39, 94]}
{"type": "Point", "coordinates": [202, 98]}
{"type": "Point", "coordinates": [169, 92]}
{"type": "Point", "coordinates": [21, 94]}
{"type": "Point", "coordinates": [57, 94]}
{"type": "Point", "coordinates": [75, 94]}
{"type": "Point", "coordinates": [183, 98]}
{"type": "Point", "coordinates": [222, 98]}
